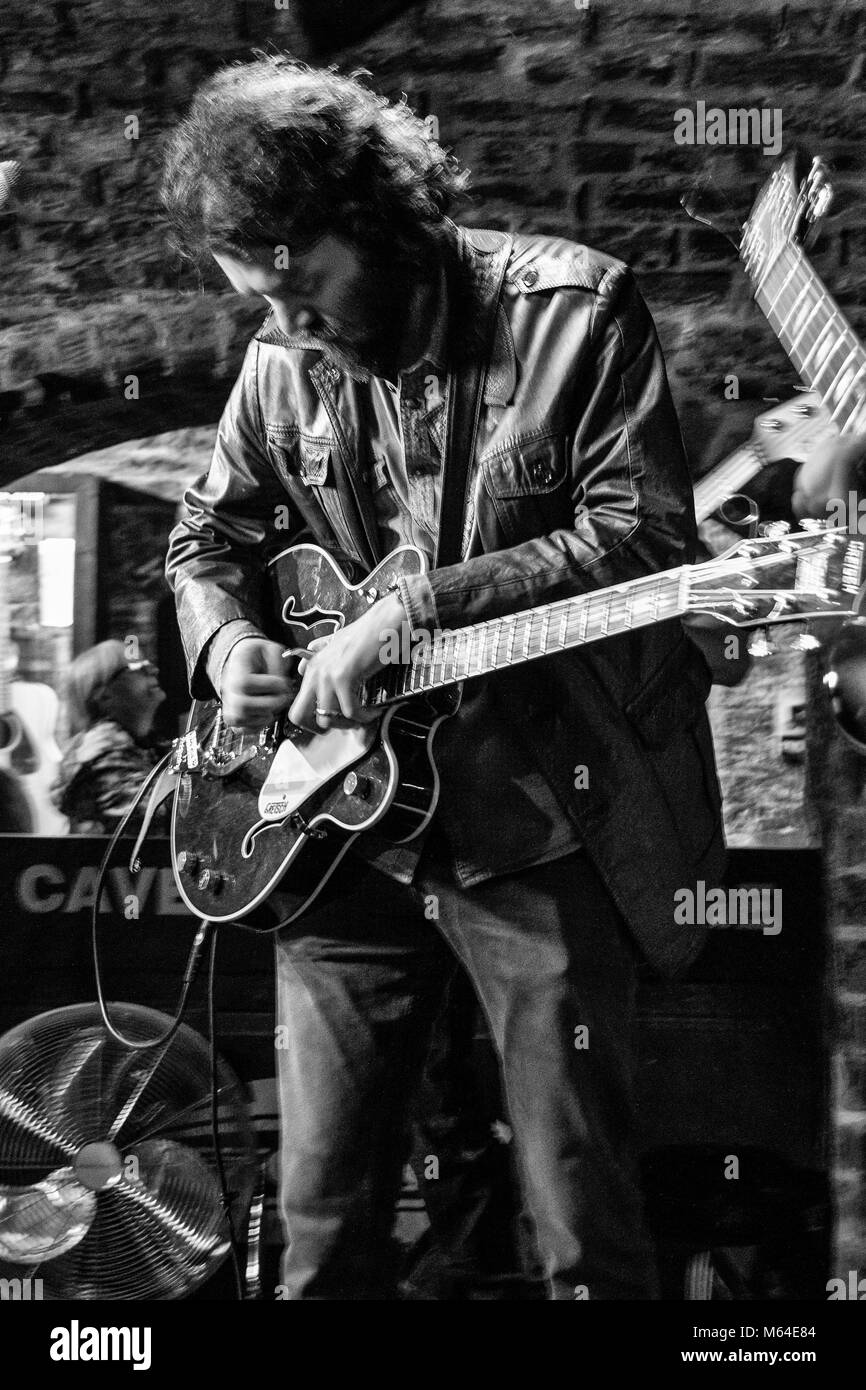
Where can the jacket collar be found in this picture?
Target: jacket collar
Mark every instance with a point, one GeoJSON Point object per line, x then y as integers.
{"type": "Point", "coordinates": [502, 374]}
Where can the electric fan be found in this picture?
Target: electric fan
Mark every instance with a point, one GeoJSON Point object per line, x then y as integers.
{"type": "Point", "coordinates": [108, 1181]}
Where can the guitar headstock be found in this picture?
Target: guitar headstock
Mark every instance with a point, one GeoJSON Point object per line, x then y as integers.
{"type": "Point", "coordinates": [786, 209]}
{"type": "Point", "coordinates": [793, 429]}
{"type": "Point", "coordinates": [783, 577]}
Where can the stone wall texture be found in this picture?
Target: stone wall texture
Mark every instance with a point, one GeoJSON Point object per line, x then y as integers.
{"type": "Point", "coordinates": [564, 112]}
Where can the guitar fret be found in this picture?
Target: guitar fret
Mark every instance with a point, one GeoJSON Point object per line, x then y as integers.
{"type": "Point", "coordinates": [795, 306]}
{"type": "Point", "coordinates": [446, 659]}
{"type": "Point", "coordinates": [584, 620]}
{"type": "Point", "coordinates": [497, 630]}
{"type": "Point", "coordinates": [482, 648]}
{"type": "Point", "coordinates": [545, 628]}
{"type": "Point", "coordinates": [632, 603]}
{"type": "Point", "coordinates": [772, 305]}
{"type": "Point", "coordinates": [767, 272]}
{"type": "Point", "coordinates": [827, 327]}
{"type": "Point", "coordinates": [477, 649]}
{"type": "Point", "coordinates": [605, 618]}
{"type": "Point", "coordinates": [848, 390]}
{"type": "Point", "coordinates": [835, 383]}
{"type": "Point", "coordinates": [816, 307]}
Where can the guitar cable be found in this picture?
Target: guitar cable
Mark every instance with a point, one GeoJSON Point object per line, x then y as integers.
{"type": "Point", "coordinates": [206, 927]}
{"type": "Point", "coordinates": [205, 936]}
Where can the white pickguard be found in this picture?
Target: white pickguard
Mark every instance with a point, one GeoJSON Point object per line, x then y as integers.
{"type": "Point", "coordinates": [304, 764]}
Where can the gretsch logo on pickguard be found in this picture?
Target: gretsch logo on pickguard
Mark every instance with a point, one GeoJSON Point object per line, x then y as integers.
{"type": "Point", "coordinates": [308, 762]}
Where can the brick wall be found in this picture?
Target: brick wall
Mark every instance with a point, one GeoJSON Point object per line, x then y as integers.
{"type": "Point", "coordinates": [565, 114]}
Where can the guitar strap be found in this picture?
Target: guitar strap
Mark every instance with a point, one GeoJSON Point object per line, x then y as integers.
{"type": "Point", "coordinates": [486, 263]}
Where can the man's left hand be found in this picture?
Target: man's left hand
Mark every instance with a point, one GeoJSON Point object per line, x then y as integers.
{"type": "Point", "coordinates": [331, 676]}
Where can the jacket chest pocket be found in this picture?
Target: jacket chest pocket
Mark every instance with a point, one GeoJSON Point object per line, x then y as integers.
{"type": "Point", "coordinates": [299, 458]}
{"type": "Point", "coordinates": [528, 484]}
{"type": "Point", "coordinates": [304, 464]}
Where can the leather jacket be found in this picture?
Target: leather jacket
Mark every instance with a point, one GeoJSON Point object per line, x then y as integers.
{"type": "Point", "coordinates": [578, 481]}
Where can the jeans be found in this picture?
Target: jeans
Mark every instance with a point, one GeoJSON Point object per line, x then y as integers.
{"type": "Point", "coordinates": [476, 1244]}
{"type": "Point", "coordinates": [360, 978]}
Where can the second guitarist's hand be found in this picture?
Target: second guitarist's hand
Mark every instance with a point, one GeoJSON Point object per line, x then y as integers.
{"type": "Point", "coordinates": [330, 677]}
{"type": "Point", "coordinates": [826, 480]}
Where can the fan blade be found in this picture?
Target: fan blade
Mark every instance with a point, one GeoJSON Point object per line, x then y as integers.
{"type": "Point", "coordinates": [178, 1190]}
{"type": "Point", "coordinates": [74, 1089]}
{"type": "Point", "coordinates": [46, 1219]}
{"type": "Point", "coordinates": [124, 1256]}
{"type": "Point", "coordinates": [16, 1109]}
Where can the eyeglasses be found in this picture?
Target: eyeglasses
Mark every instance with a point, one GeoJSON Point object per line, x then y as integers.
{"type": "Point", "coordinates": [131, 666]}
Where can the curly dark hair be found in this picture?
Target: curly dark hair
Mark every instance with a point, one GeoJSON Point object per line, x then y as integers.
{"type": "Point", "coordinates": [274, 152]}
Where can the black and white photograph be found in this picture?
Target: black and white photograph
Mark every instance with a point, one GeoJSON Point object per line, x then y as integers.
{"type": "Point", "coordinates": [432, 671]}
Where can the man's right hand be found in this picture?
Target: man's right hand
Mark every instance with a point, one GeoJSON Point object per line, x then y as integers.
{"type": "Point", "coordinates": [254, 683]}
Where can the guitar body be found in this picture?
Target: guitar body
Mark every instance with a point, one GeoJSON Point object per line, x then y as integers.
{"type": "Point", "coordinates": [252, 812]}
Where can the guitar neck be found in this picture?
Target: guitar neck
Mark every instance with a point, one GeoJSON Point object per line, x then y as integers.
{"type": "Point", "coordinates": [814, 332]}
{"type": "Point", "coordinates": [519, 637]}
{"type": "Point", "coordinates": [726, 480]}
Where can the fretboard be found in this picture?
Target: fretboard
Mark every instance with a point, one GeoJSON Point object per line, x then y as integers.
{"type": "Point", "coordinates": [814, 332]}
{"type": "Point", "coordinates": [554, 627]}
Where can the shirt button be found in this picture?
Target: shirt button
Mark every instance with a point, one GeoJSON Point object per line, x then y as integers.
{"type": "Point", "coordinates": [530, 278]}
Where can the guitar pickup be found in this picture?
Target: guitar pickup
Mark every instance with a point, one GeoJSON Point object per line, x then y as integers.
{"type": "Point", "coordinates": [184, 753]}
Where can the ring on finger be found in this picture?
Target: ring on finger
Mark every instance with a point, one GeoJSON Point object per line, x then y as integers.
{"type": "Point", "coordinates": [328, 713]}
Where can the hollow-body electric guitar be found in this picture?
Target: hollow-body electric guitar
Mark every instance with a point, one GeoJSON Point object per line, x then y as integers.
{"type": "Point", "coordinates": [282, 806]}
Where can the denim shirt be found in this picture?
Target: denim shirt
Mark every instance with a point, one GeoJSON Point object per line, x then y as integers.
{"type": "Point", "coordinates": [406, 431]}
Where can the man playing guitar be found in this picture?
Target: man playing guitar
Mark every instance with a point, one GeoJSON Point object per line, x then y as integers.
{"type": "Point", "coordinates": [499, 402]}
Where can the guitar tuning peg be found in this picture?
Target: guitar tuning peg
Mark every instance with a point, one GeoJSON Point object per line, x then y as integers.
{"type": "Point", "coordinates": [759, 644]}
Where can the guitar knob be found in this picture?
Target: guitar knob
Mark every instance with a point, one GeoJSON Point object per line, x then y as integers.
{"type": "Point", "coordinates": [211, 881]}
{"type": "Point", "coordinates": [187, 862]}
{"type": "Point", "coordinates": [353, 785]}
